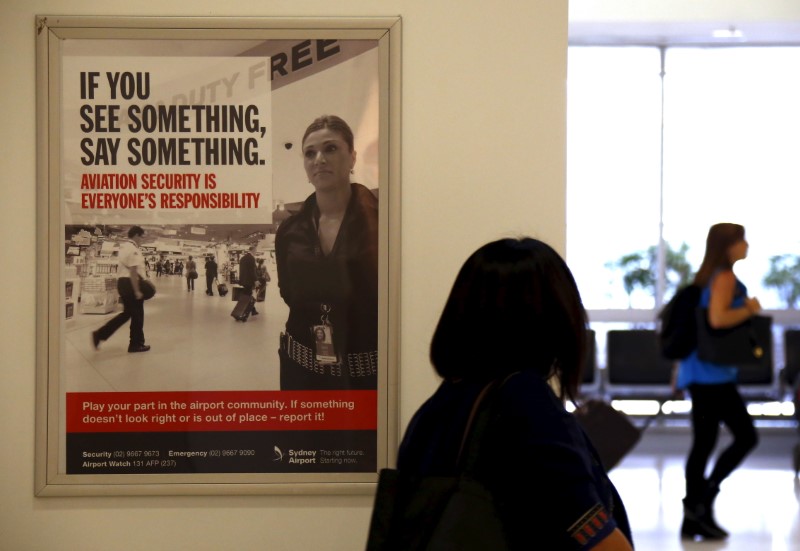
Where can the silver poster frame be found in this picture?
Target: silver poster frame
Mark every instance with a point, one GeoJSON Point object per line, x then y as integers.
{"type": "Point", "coordinates": [52, 31]}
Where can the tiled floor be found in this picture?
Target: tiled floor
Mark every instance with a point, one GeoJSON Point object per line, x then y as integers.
{"type": "Point", "coordinates": [759, 504]}
{"type": "Point", "coordinates": [196, 345]}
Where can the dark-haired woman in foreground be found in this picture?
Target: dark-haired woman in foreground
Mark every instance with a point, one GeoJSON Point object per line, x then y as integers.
{"type": "Point", "coordinates": [515, 310]}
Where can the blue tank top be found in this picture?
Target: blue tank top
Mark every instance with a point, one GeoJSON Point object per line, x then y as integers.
{"type": "Point", "coordinates": [693, 370]}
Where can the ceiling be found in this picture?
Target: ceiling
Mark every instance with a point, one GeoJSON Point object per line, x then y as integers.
{"type": "Point", "coordinates": [753, 33]}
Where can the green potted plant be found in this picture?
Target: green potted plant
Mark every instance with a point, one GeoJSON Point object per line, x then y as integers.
{"type": "Point", "coordinates": [784, 277]}
{"type": "Point", "coordinates": [639, 270]}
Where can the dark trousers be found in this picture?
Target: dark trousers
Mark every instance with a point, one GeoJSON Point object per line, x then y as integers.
{"type": "Point", "coordinates": [134, 311]}
{"type": "Point", "coordinates": [189, 283]}
{"type": "Point", "coordinates": [712, 405]}
{"type": "Point", "coordinates": [209, 284]}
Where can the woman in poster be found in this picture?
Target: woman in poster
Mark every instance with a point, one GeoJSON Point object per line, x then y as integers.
{"type": "Point", "coordinates": [327, 262]}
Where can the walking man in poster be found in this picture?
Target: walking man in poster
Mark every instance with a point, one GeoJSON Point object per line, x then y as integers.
{"type": "Point", "coordinates": [248, 274]}
{"type": "Point", "coordinates": [211, 275]}
{"type": "Point", "coordinates": [130, 290]}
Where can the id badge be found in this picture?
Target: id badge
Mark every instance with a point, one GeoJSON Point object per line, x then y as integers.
{"type": "Point", "coordinates": [324, 351]}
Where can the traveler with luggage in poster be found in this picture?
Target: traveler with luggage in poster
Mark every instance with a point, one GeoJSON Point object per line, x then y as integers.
{"type": "Point", "coordinates": [132, 287]}
{"type": "Point", "coordinates": [248, 277]}
{"type": "Point", "coordinates": [712, 386]}
{"type": "Point", "coordinates": [510, 347]}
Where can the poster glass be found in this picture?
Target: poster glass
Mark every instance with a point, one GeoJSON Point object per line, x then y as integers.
{"type": "Point", "coordinates": [242, 171]}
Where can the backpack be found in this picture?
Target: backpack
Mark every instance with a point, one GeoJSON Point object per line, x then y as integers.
{"type": "Point", "coordinates": [677, 337]}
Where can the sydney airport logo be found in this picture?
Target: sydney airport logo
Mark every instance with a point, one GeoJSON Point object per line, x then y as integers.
{"type": "Point", "coordinates": [300, 457]}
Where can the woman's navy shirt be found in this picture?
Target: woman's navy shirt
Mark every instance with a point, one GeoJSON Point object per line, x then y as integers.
{"type": "Point", "coordinates": [549, 485]}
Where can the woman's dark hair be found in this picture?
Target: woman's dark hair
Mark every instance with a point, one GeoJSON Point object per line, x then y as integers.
{"type": "Point", "coordinates": [719, 241]}
{"type": "Point", "coordinates": [334, 123]}
{"type": "Point", "coordinates": [514, 306]}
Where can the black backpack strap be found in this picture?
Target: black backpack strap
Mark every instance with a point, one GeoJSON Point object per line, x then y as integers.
{"type": "Point", "coordinates": [477, 425]}
{"type": "Point", "coordinates": [470, 437]}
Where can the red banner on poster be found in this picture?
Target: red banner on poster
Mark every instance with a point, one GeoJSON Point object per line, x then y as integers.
{"type": "Point", "coordinates": [221, 411]}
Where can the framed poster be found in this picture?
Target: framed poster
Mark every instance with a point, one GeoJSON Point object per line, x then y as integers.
{"type": "Point", "coordinates": [246, 173]}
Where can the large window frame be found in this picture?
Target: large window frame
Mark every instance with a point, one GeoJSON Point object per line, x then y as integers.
{"type": "Point", "coordinates": [604, 317]}
{"type": "Point", "coordinates": [645, 315]}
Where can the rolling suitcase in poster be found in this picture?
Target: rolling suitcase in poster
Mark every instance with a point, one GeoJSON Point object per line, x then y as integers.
{"type": "Point", "coordinates": [244, 307]}
{"type": "Point", "coordinates": [261, 292]}
{"type": "Point", "coordinates": [222, 289]}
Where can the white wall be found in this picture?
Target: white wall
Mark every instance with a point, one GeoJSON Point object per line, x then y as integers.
{"type": "Point", "coordinates": [483, 156]}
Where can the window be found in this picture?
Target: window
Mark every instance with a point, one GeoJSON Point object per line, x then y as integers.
{"type": "Point", "coordinates": [613, 151]}
{"type": "Point", "coordinates": [653, 162]}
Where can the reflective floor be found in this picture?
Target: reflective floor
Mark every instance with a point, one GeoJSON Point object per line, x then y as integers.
{"type": "Point", "coordinates": [196, 345]}
{"type": "Point", "coordinates": [759, 504]}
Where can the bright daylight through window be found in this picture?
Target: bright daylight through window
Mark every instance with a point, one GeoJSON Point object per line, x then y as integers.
{"type": "Point", "coordinates": [723, 149]}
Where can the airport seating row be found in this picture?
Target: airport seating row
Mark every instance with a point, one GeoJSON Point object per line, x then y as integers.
{"type": "Point", "coordinates": [634, 368]}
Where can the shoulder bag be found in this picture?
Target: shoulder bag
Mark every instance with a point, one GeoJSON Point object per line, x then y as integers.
{"type": "Point", "coordinates": [747, 343]}
{"type": "Point", "coordinates": [125, 288]}
{"type": "Point", "coordinates": [440, 513]}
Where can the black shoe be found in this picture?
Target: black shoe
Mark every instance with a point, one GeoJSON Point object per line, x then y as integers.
{"type": "Point", "coordinates": [695, 528]}
{"type": "Point", "coordinates": [96, 340]}
{"type": "Point", "coordinates": [696, 523]}
{"type": "Point", "coordinates": [691, 529]}
{"type": "Point", "coordinates": [716, 528]}
{"type": "Point", "coordinates": [710, 494]}
{"type": "Point", "coordinates": [139, 348]}
{"type": "Point", "coordinates": [254, 313]}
